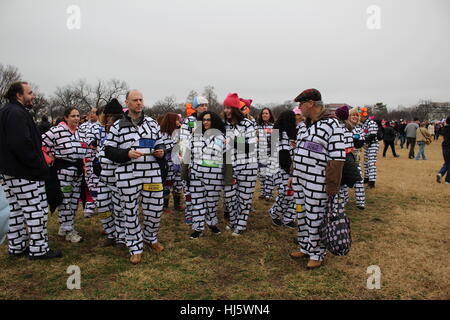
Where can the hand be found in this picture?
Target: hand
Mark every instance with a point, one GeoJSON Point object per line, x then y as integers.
{"type": "Point", "coordinates": [133, 154]}
{"type": "Point", "coordinates": [158, 153]}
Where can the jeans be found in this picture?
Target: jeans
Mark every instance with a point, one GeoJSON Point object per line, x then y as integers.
{"type": "Point", "coordinates": [411, 142]}
{"type": "Point", "coordinates": [446, 166]}
{"type": "Point", "coordinates": [421, 150]}
{"type": "Point", "coordinates": [402, 140]}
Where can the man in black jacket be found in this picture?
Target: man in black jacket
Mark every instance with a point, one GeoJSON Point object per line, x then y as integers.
{"type": "Point", "coordinates": [23, 171]}
{"type": "Point", "coordinates": [389, 138]}
{"type": "Point", "coordinates": [445, 132]}
{"type": "Point", "coordinates": [44, 125]}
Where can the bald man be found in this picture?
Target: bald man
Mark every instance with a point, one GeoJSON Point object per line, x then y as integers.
{"type": "Point", "coordinates": [135, 144]}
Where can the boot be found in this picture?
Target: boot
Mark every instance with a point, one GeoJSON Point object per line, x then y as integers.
{"type": "Point", "coordinates": [177, 202]}
{"type": "Point", "coordinates": [136, 258]}
{"type": "Point", "coordinates": [313, 264]}
{"type": "Point", "coordinates": [166, 205]}
{"type": "Point", "coordinates": [371, 184]}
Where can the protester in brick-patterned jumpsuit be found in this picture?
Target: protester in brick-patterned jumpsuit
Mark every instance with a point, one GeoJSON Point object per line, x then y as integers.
{"type": "Point", "coordinates": [22, 173]}
{"type": "Point", "coordinates": [206, 172]}
{"type": "Point", "coordinates": [69, 148]}
{"type": "Point", "coordinates": [169, 123]}
{"type": "Point", "coordinates": [134, 143]}
{"type": "Point", "coordinates": [108, 197]}
{"type": "Point", "coordinates": [200, 105]}
{"type": "Point", "coordinates": [371, 148]}
{"type": "Point", "coordinates": [358, 141]}
{"type": "Point", "coordinates": [264, 132]}
{"type": "Point", "coordinates": [88, 129]}
{"type": "Point", "coordinates": [241, 155]}
{"type": "Point", "coordinates": [318, 162]}
{"type": "Point", "coordinates": [282, 211]}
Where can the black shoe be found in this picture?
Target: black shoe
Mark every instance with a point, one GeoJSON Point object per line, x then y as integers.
{"type": "Point", "coordinates": [109, 242]}
{"type": "Point", "coordinates": [366, 181]}
{"type": "Point", "coordinates": [371, 184]}
{"type": "Point", "coordinates": [277, 222]}
{"type": "Point", "coordinates": [120, 245]}
{"type": "Point", "coordinates": [214, 229]}
{"type": "Point", "coordinates": [21, 254]}
{"type": "Point", "coordinates": [397, 156]}
{"type": "Point", "coordinates": [51, 254]}
{"type": "Point", "coordinates": [196, 235]}
{"type": "Point", "coordinates": [291, 225]}
{"type": "Point", "coordinates": [361, 207]}
{"type": "Point", "coordinates": [226, 215]}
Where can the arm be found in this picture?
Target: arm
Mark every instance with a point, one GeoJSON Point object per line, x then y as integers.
{"type": "Point", "coordinates": [112, 151]}
{"type": "Point", "coordinates": [336, 153]}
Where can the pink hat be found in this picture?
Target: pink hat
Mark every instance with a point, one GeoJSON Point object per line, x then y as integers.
{"type": "Point", "coordinates": [248, 102]}
{"type": "Point", "coordinates": [232, 100]}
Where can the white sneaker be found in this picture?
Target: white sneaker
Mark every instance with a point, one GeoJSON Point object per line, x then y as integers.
{"type": "Point", "coordinates": [73, 236]}
{"type": "Point", "coordinates": [62, 233]}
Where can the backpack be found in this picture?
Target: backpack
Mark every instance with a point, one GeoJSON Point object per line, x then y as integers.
{"type": "Point", "coordinates": [350, 172]}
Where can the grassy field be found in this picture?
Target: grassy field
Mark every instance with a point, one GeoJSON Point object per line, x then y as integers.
{"type": "Point", "coordinates": [404, 230]}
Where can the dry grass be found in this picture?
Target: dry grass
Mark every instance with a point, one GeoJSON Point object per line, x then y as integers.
{"type": "Point", "coordinates": [404, 231]}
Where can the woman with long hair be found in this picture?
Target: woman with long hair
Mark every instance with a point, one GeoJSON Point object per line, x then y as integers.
{"type": "Point", "coordinates": [68, 147]}
{"type": "Point", "coordinates": [282, 211]}
{"type": "Point", "coordinates": [169, 123]}
{"type": "Point", "coordinates": [241, 156]}
{"type": "Point", "coordinates": [264, 132]}
{"type": "Point", "coordinates": [206, 172]}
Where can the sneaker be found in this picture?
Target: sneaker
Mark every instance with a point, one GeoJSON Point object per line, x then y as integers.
{"type": "Point", "coordinates": [88, 214]}
{"type": "Point", "coordinates": [397, 156]}
{"type": "Point", "coordinates": [277, 222]}
{"type": "Point", "coordinates": [237, 233]}
{"type": "Point", "coordinates": [291, 225]}
{"type": "Point", "coordinates": [120, 245]}
{"type": "Point", "coordinates": [447, 183]}
{"type": "Point", "coordinates": [361, 207]}
{"type": "Point", "coordinates": [226, 215]}
{"type": "Point", "coordinates": [63, 233]}
{"type": "Point", "coordinates": [109, 242]}
{"type": "Point", "coordinates": [74, 237]}
{"type": "Point", "coordinates": [371, 184]}
{"type": "Point", "coordinates": [438, 178]}
{"type": "Point", "coordinates": [196, 235]}
{"type": "Point", "coordinates": [188, 221]}
{"type": "Point", "coordinates": [229, 227]}
{"type": "Point", "coordinates": [51, 254]}
{"type": "Point", "coordinates": [214, 229]}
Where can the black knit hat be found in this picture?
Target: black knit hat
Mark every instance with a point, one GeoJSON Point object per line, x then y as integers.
{"type": "Point", "coordinates": [113, 107]}
{"type": "Point", "coordinates": [309, 94]}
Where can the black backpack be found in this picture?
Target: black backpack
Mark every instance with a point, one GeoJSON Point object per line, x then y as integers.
{"type": "Point", "coordinates": [380, 132]}
{"type": "Point", "coordinates": [350, 172]}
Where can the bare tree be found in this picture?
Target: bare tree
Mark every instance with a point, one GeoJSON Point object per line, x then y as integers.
{"type": "Point", "coordinates": [8, 75]}
{"type": "Point", "coordinates": [213, 103]}
{"type": "Point", "coordinates": [103, 92]}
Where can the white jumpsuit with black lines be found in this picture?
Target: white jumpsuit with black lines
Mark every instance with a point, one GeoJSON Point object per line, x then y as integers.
{"type": "Point", "coordinates": [72, 147]}
{"type": "Point", "coordinates": [139, 179]}
{"type": "Point", "coordinates": [89, 130]}
{"type": "Point", "coordinates": [206, 177]}
{"type": "Point", "coordinates": [239, 196]}
{"type": "Point", "coordinates": [173, 180]}
{"type": "Point", "coordinates": [358, 134]}
{"type": "Point", "coordinates": [283, 207]}
{"type": "Point", "coordinates": [264, 153]}
{"type": "Point", "coordinates": [319, 143]}
{"type": "Point", "coordinates": [370, 128]}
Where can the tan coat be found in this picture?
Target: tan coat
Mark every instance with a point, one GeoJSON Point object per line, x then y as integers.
{"type": "Point", "coordinates": [422, 135]}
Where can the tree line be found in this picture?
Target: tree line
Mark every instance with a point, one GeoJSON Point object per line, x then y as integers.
{"type": "Point", "coordinates": [85, 96]}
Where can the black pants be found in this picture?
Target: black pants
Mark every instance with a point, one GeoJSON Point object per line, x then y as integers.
{"type": "Point", "coordinates": [389, 144]}
{"type": "Point", "coordinates": [412, 143]}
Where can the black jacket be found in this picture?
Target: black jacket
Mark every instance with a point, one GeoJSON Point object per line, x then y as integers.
{"type": "Point", "coordinates": [389, 134]}
{"type": "Point", "coordinates": [20, 144]}
{"type": "Point", "coordinates": [445, 132]}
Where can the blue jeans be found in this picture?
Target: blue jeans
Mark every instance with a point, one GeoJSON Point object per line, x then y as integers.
{"type": "Point", "coordinates": [421, 150]}
{"type": "Point", "coordinates": [446, 167]}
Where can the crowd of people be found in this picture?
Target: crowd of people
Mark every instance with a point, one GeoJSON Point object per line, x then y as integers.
{"type": "Point", "coordinates": [120, 162]}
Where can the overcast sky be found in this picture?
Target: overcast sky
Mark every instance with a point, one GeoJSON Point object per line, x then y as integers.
{"type": "Point", "coordinates": [262, 49]}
